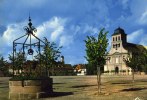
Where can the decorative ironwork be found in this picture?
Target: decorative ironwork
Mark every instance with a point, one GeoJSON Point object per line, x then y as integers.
{"type": "Point", "coordinates": [28, 43]}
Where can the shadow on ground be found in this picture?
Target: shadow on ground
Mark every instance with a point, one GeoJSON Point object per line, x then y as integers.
{"type": "Point", "coordinates": [58, 94]}
{"type": "Point", "coordinates": [143, 81]}
{"type": "Point", "coordinates": [80, 86]}
{"type": "Point", "coordinates": [58, 83]}
{"type": "Point", "coordinates": [132, 89]}
{"type": "Point", "coordinates": [120, 82]}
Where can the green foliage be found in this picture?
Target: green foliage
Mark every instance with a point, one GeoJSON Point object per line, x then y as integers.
{"type": "Point", "coordinates": [144, 61]}
{"type": "Point", "coordinates": [26, 77]}
{"type": "Point", "coordinates": [50, 54]}
{"type": "Point", "coordinates": [96, 49]}
{"type": "Point", "coordinates": [136, 60]}
{"type": "Point", "coordinates": [19, 59]}
{"type": "Point", "coordinates": [3, 66]}
{"type": "Point", "coordinates": [112, 71]}
{"type": "Point", "coordinates": [123, 71]}
{"type": "Point", "coordinates": [106, 71]}
{"type": "Point", "coordinates": [91, 70]}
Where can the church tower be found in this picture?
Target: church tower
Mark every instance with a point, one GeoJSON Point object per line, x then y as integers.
{"type": "Point", "coordinates": [115, 56]}
{"type": "Point", "coordinates": [119, 39]}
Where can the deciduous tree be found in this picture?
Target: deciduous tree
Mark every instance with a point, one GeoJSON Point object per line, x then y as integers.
{"type": "Point", "coordinates": [19, 59]}
{"type": "Point", "coordinates": [3, 66]}
{"type": "Point", "coordinates": [50, 54]}
{"type": "Point", "coordinates": [96, 50]}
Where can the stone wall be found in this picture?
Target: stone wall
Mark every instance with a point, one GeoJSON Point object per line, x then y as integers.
{"type": "Point", "coordinates": [30, 89]}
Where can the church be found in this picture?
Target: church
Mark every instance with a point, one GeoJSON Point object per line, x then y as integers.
{"type": "Point", "coordinates": [120, 49]}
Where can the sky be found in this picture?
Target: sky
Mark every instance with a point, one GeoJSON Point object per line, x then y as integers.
{"type": "Point", "coordinates": [68, 22]}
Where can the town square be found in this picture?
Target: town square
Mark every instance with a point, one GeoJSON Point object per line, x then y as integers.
{"type": "Point", "coordinates": [73, 50]}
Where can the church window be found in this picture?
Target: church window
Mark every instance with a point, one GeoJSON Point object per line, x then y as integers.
{"type": "Point", "coordinates": [118, 45]}
{"type": "Point", "coordinates": [113, 38]}
{"type": "Point", "coordinates": [110, 60]}
{"type": "Point", "coordinates": [116, 38]}
{"type": "Point", "coordinates": [113, 45]}
{"type": "Point", "coordinates": [116, 59]}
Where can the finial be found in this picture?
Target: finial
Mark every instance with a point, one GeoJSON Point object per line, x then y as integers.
{"type": "Point", "coordinates": [30, 29]}
{"type": "Point", "coordinates": [29, 17]}
{"type": "Point", "coordinates": [30, 23]}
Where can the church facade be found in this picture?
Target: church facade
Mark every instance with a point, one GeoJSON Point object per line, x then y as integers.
{"type": "Point", "coordinates": [119, 50]}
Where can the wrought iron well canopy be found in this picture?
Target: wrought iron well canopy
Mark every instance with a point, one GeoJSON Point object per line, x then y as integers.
{"type": "Point", "coordinates": [27, 43]}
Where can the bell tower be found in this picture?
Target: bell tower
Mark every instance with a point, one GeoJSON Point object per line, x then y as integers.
{"type": "Point", "coordinates": [119, 38]}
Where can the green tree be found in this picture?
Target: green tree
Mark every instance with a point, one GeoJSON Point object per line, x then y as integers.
{"type": "Point", "coordinates": [50, 54]}
{"type": "Point", "coordinates": [144, 61]}
{"type": "Point", "coordinates": [19, 59]}
{"type": "Point", "coordinates": [135, 61]}
{"type": "Point", "coordinates": [96, 50]}
{"type": "Point", "coordinates": [3, 66]}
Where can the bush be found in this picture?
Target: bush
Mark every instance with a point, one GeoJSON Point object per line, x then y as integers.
{"type": "Point", "coordinates": [26, 77]}
{"type": "Point", "coordinates": [106, 71]}
{"type": "Point", "coordinates": [112, 71]}
{"type": "Point", "coordinates": [123, 71]}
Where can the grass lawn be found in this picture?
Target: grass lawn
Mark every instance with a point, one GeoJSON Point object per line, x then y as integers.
{"type": "Point", "coordinates": [85, 88]}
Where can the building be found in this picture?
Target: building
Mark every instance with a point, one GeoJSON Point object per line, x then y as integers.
{"type": "Point", "coordinates": [120, 49]}
{"type": "Point", "coordinates": [80, 69]}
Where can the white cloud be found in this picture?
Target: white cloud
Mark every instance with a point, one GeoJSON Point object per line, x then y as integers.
{"type": "Point", "coordinates": [138, 11]}
{"type": "Point", "coordinates": [135, 36]}
{"type": "Point", "coordinates": [90, 29]}
{"type": "Point", "coordinates": [12, 32]}
{"type": "Point", "coordinates": [51, 29]}
{"type": "Point", "coordinates": [65, 40]}
{"type": "Point", "coordinates": [55, 34]}
{"type": "Point", "coordinates": [143, 40]}
{"type": "Point", "coordinates": [143, 18]}
{"type": "Point", "coordinates": [74, 59]}
{"type": "Point", "coordinates": [138, 37]}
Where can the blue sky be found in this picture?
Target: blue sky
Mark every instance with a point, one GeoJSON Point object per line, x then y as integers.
{"type": "Point", "coordinates": [68, 22]}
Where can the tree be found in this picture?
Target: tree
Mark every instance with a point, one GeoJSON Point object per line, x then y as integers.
{"type": "Point", "coordinates": [135, 61]}
{"type": "Point", "coordinates": [144, 61]}
{"type": "Point", "coordinates": [19, 59]}
{"type": "Point", "coordinates": [50, 54]}
{"type": "Point", "coordinates": [96, 50]}
{"type": "Point", "coordinates": [3, 66]}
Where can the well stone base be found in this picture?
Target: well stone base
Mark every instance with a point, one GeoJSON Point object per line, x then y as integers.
{"type": "Point", "coordinates": [30, 89]}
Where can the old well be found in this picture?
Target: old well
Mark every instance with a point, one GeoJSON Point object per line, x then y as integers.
{"type": "Point", "coordinates": [30, 75]}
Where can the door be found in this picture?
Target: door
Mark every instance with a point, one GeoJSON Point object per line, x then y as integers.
{"type": "Point", "coordinates": [116, 70]}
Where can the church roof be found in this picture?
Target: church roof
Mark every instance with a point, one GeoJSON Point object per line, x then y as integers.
{"type": "Point", "coordinates": [134, 47]}
{"type": "Point", "coordinates": [119, 31]}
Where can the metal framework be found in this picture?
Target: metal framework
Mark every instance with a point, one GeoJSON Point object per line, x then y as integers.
{"type": "Point", "coordinates": [24, 45]}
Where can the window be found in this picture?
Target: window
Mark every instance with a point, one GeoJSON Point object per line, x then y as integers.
{"type": "Point", "coordinates": [109, 59]}
{"type": "Point", "coordinates": [118, 45]}
{"type": "Point", "coordinates": [116, 59]}
{"type": "Point", "coordinates": [113, 38]}
{"type": "Point", "coordinates": [116, 38]}
{"type": "Point", "coordinates": [113, 45]}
